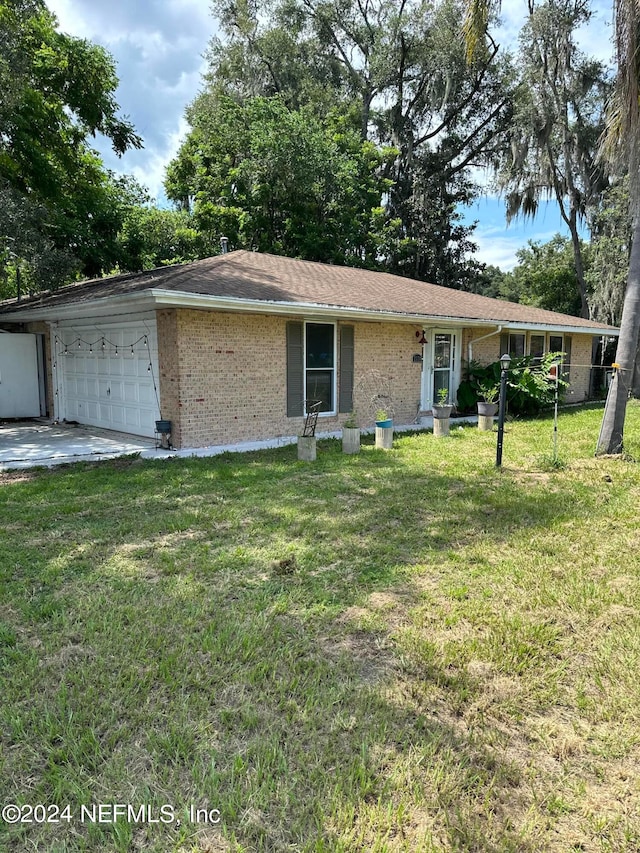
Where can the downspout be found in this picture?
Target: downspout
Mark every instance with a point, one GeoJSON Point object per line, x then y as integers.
{"type": "Point", "coordinates": [481, 338]}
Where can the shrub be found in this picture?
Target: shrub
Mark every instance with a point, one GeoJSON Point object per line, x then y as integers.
{"type": "Point", "coordinates": [530, 387]}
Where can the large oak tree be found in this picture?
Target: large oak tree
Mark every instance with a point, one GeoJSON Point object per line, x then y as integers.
{"type": "Point", "coordinates": [61, 209]}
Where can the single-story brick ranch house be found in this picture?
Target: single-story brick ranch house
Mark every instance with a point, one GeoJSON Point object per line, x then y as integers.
{"type": "Point", "coordinates": [230, 348]}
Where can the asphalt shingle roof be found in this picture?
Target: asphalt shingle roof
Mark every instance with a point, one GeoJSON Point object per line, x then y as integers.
{"type": "Point", "coordinates": [271, 278]}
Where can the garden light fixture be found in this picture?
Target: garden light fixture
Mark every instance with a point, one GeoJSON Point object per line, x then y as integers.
{"type": "Point", "coordinates": [505, 361]}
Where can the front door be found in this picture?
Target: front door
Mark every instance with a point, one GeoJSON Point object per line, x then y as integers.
{"type": "Point", "coordinates": [441, 367]}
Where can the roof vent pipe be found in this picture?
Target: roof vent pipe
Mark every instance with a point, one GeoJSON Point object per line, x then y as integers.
{"type": "Point", "coordinates": [224, 245]}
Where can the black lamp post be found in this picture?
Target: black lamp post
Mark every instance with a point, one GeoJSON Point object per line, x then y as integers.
{"type": "Point", "coordinates": [505, 361]}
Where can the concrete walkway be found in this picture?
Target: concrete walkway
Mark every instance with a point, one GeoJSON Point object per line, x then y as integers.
{"type": "Point", "coordinates": [25, 444]}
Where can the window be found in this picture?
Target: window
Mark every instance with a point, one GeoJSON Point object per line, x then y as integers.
{"type": "Point", "coordinates": [312, 373]}
{"type": "Point", "coordinates": [556, 343]}
{"type": "Point", "coordinates": [320, 360]}
{"type": "Point", "coordinates": [516, 345]}
{"type": "Point", "coordinates": [536, 346]}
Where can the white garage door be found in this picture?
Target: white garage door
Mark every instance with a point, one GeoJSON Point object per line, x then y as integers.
{"type": "Point", "coordinates": [106, 374]}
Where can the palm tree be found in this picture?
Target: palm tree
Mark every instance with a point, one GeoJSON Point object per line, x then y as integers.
{"type": "Point", "coordinates": [621, 140]}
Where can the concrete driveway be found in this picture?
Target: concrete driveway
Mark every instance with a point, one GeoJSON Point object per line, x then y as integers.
{"type": "Point", "coordinates": [25, 444]}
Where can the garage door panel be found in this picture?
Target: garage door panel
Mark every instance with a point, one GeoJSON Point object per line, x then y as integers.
{"type": "Point", "coordinates": [132, 418]}
{"type": "Point", "coordinates": [130, 392]}
{"type": "Point", "coordinates": [146, 395]}
{"type": "Point", "coordinates": [118, 416]}
{"type": "Point", "coordinates": [108, 390]}
{"type": "Point", "coordinates": [104, 412]}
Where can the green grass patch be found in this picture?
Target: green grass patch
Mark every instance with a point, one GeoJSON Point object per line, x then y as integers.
{"type": "Point", "coordinates": [402, 651]}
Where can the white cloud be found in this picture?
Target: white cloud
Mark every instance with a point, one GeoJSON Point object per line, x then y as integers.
{"type": "Point", "coordinates": [158, 48]}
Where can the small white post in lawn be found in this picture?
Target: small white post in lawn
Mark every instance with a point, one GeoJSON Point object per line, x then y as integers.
{"type": "Point", "coordinates": [384, 438]}
{"type": "Point", "coordinates": [307, 448]}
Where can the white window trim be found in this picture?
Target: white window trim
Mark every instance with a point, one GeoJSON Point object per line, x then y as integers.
{"type": "Point", "coordinates": [546, 336]}
{"type": "Point", "coordinates": [334, 384]}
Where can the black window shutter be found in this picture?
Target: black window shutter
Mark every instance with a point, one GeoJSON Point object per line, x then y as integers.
{"type": "Point", "coordinates": [504, 344]}
{"type": "Point", "coordinates": [295, 370]}
{"type": "Point", "coordinates": [345, 402]}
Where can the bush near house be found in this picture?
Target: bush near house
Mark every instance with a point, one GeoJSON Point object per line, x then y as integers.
{"type": "Point", "coordinates": [530, 387]}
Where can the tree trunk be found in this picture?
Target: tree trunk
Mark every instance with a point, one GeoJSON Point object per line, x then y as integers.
{"type": "Point", "coordinates": [611, 433]}
{"type": "Point", "coordinates": [577, 257]}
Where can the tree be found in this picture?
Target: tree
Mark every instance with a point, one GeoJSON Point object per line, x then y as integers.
{"type": "Point", "coordinates": [399, 70]}
{"type": "Point", "coordinates": [623, 138]}
{"type": "Point", "coordinates": [55, 92]}
{"type": "Point", "coordinates": [22, 238]}
{"type": "Point", "coordinates": [546, 276]}
{"type": "Point", "coordinates": [489, 280]}
{"type": "Point", "coordinates": [610, 246]}
{"type": "Point", "coordinates": [623, 145]}
{"type": "Point", "coordinates": [557, 124]}
{"type": "Point", "coordinates": [281, 180]}
{"type": "Point", "coordinates": [151, 237]}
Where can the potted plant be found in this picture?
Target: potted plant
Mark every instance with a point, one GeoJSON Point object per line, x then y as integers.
{"type": "Point", "coordinates": [441, 413]}
{"type": "Point", "coordinates": [488, 404]}
{"type": "Point", "coordinates": [442, 409]}
{"type": "Point", "coordinates": [383, 420]}
{"type": "Point", "coordinates": [384, 430]}
{"type": "Point", "coordinates": [351, 434]}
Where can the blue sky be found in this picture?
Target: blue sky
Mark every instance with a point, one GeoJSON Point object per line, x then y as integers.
{"type": "Point", "coordinates": [159, 48]}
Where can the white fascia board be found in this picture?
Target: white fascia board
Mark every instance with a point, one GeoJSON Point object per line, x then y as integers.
{"type": "Point", "coordinates": [562, 328]}
{"type": "Point", "coordinates": [106, 306]}
{"type": "Point", "coordinates": [170, 298]}
{"type": "Point", "coordinates": [119, 305]}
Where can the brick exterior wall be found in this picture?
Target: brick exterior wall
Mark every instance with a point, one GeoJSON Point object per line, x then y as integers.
{"type": "Point", "coordinates": [169, 371]}
{"type": "Point", "coordinates": [383, 367]}
{"type": "Point", "coordinates": [580, 372]}
{"type": "Point", "coordinates": [484, 351]}
{"type": "Point", "coordinates": [223, 376]}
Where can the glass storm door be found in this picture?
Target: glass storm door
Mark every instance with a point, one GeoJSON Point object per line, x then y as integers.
{"type": "Point", "coordinates": [443, 358]}
{"type": "Point", "coordinates": [439, 368]}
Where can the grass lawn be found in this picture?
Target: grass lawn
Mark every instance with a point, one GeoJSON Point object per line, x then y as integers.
{"type": "Point", "coordinates": [403, 651]}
